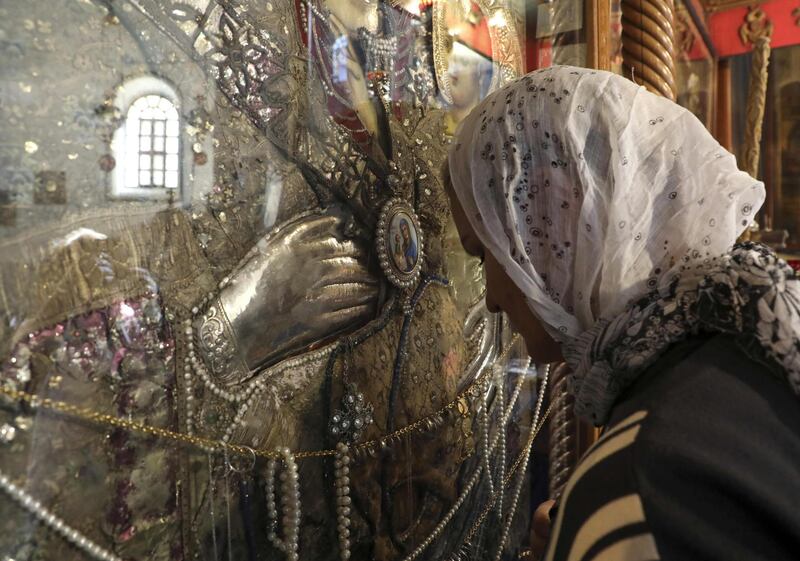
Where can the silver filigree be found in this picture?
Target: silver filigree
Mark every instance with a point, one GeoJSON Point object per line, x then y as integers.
{"type": "Point", "coordinates": [355, 415]}
{"type": "Point", "coordinates": [217, 346]}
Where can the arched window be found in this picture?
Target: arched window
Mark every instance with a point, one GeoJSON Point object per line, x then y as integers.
{"type": "Point", "coordinates": [151, 143]}
{"type": "Point", "coordinates": [147, 145]}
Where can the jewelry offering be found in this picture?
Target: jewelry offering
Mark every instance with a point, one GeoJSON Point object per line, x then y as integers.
{"type": "Point", "coordinates": [348, 422]}
{"type": "Point", "coordinates": [400, 244]}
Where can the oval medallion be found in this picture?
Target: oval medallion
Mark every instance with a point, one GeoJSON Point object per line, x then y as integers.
{"type": "Point", "coordinates": [400, 244]}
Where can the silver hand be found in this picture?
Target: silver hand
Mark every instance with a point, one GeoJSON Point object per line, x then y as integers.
{"type": "Point", "coordinates": [306, 284]}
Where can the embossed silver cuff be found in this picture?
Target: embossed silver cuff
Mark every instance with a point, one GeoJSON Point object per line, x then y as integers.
{"type": "Point", "coordinates": [217, 345]}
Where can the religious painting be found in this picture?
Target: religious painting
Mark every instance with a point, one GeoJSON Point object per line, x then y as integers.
{"type": "Point", "coordinates": [404, 242]}
{"type": "Point", "coordinates": [400, 243]}
{"type": "Point", "coordinates": [291, 395]}
{"type": "Point", "coordinates": [469, 74]}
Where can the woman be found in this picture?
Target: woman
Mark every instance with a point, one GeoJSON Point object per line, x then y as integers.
{"type": "Point", "coordinates": [606, 217]}
{"type": "Point", "coordinates": [409, 246]}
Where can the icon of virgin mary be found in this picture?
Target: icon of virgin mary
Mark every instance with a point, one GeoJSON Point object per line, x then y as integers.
{"type": "Point", "coordinates": [409, 246]}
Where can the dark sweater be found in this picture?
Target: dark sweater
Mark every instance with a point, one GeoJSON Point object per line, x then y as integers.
{"type": "Point", "coordinates": [700, 460]}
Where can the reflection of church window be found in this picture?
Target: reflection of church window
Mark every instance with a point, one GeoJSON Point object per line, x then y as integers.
{"type": "Point", "coordinates": [339, 59]}
{"type": "Point", "coordinates": [151, 143]}
{"type": "Point", "coordinates": [147, 145]}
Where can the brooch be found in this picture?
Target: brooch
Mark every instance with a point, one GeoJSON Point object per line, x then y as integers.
{"type": "Point", "coordinates": [400, 244]}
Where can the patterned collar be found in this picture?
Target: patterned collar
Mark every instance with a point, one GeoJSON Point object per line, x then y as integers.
{"type": "Point", "coordinates": [748, 293]}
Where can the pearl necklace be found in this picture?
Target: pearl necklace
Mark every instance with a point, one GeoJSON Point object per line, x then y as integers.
{"type": "Point", "coordinates": [245, 399]}
{"type": "Point", "coordinates": [524, 467]}
{"type": "Point", "coordinates": [463, 550]}
{"type": "Point", "coordinates": [504, 418]}
{"type": "Point", "coordinates": [53, 522]}
{"type": "Point", "coordinates": [290, 503]}
{"type": "Point", "coordinates": [343, 500]}
{"type": "Point", "coordinates": [501, 464]}
{"type": "Point", "coordinates": [485, 434]}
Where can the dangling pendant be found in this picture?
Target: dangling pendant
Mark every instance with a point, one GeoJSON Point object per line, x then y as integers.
{"type": "Point", "coordinates": [400, 245]}
{"type": "Point", "coordinates": [354, 416]}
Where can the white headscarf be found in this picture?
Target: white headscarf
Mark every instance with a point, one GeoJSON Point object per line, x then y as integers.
{"type": "Point", "coordinates": [589, 191]}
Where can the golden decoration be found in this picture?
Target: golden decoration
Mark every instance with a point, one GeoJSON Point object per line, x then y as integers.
{"type": "Point", "coordinates": [105, 420]}
{"type": "Point", "coordinates": [756, 29]}
{"type": "Point", "coordinates": [563, 452]}
{"type": "Point", "coordinates": [755, 26]}
{"type": "Point", "coordinates": [712, 6]}
{"type": "Point", "coordinates": [648, 44]}
{"type": "Point", "coordinates": [756, 102]}
{"type": "Point", "coordinates": [506, 52]}
{"type": "Point", "coordinates": [684, 33]}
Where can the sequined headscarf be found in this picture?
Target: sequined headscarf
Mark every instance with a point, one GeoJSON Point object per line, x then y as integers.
{"type": "Point", "coordinates": [599, 199]}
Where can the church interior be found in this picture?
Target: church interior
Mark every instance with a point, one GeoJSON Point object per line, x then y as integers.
{"type": "Point", "coordinates": [236, 318]}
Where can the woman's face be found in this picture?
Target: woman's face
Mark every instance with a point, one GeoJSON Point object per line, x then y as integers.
{"type": "Point", "coordinates": [405, 230]}
{"type": "Point", "coordinates": [502, 294]}
{"type": "Point", "coordinates": [464, 83]}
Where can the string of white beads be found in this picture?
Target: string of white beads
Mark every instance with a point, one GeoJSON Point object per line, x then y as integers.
{"type": "Point", "coordinates": [343, 500]}
{"type": "Point", "coordinates": [53, 522]}
{"type": "Point", "coordinates": [290, 487]}
{"type": "Point", "coordinates": [505, 415]}
{"type": "Point", "coordinates": [290, 503]}
{"type": "Point", "coordinates": [485, 417]}
{"type": "Point", "coordinates": [187, 377]}
{"type": "Point", "coordinates": [524, 467]}
{"type": "Point", "coordinates": [272, 507]}
{"type": "Point", "coordinates": [501, 464]}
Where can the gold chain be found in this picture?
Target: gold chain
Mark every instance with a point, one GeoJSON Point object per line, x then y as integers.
{"type": "Point", "coordinates": [103, 419]}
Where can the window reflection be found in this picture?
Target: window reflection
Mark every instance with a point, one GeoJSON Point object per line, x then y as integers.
{"type": "Point", "coordinates": [151, 147]}
{"type": "Point", "coordinates": [147, 144]}
{"type": "Point", "coordinates": [339, 60]}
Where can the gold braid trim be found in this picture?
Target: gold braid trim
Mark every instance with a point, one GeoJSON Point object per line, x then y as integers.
{"type": "Point", "coordinates": [756, 101]}
{"type": "Point", "coordinates": [105, 420]}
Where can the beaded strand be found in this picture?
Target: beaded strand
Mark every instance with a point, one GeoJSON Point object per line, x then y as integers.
{"type": "Point", "coordinates": [343, 500]}
{"type": "Point", "coordinates": [504, 417]}
{"type": "Point", "coordinates": [43, 515]}
{"type": "Point", "coordinates": [290, 505]}
{"type": "Point", "coordinates": [520, 480]}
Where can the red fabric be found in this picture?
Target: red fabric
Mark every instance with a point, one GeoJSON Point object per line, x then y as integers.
{"type": "Point", "coordinates": [477, 36]}
{"type": "Point", "coordinates": [341, 113]}
{"type": "Point", "coordinates": [794, 264]}
{"type": "Point", "coordinates": [538, 54]}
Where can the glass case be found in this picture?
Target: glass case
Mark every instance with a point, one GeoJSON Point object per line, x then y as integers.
{"type": "Point", "coordinates": [779, 142]}
{"type": "Point", "coordinates": [236, 319]}
{"type": "Point", "coordinates": [695, 67]}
